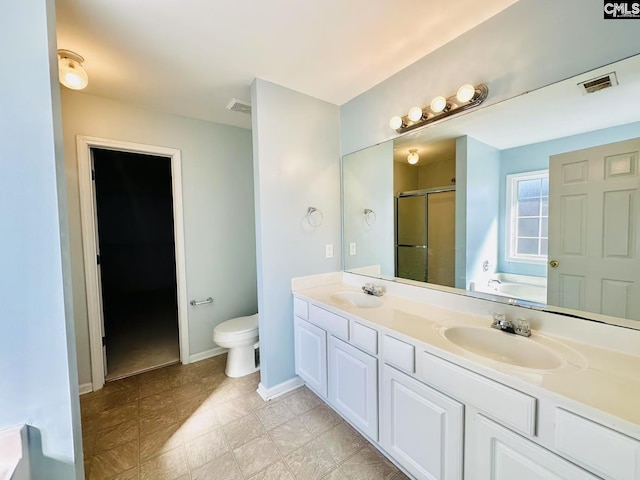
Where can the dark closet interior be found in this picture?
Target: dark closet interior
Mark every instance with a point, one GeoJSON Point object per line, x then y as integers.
{"type": "Point", "coordinates": [134, 206]}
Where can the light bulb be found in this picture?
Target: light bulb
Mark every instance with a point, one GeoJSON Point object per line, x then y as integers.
{"type": "Point", "coordinates": [72, 80]}
{"type": "Point", "coordinates": [466, 93]}
{"type": "Point", "coordinates": [413, 156]}
{"type": "Point", "coordinates": [395, 122]}
{"type": "Point", "coordinates": [415, 114]}
{"type": "Point", "coordinates": [438, 104]}
{"type": "Point", "coordinates": [71, 74]}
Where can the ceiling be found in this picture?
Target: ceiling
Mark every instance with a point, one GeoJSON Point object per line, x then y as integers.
{"type": "Point", "coordinates": [190, 58]}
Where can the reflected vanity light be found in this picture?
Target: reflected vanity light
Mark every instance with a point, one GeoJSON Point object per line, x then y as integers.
{"type": "Point", "coordinates": [413, 156]}
{"type": "Point", "coordinates": [467, 96]}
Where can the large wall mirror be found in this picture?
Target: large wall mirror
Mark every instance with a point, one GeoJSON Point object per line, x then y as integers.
{"type": "Point", "coordinates": [533, 201]}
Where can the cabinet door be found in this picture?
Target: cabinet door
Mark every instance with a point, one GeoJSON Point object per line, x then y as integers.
{"type": "Point", "coordinates": [311, 355]}
{"type": "Point", "coordinates": [501, 454]}
{"type": "Point", "coordinates": [420, 427]}
{"type": "Point", "coordinates": [353, 385]}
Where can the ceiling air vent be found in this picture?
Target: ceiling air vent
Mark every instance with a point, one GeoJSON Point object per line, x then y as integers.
{"type": "Point", "coordinates": [242, 106]}
{"type": "Point", "coordinates": [600, 83]}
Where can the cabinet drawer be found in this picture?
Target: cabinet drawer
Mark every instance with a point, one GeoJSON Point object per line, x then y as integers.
{"type": "Point", "coordinates": [332, 323]}
{"type": "Point", "coordinates": [364, 337]}
{"type": "Point", "coordinates": [300, 308]}
{"type": "Point", "coordinates": [510, 407]}
{"type": "Point", "coordinates": [399, 353]}
{"type": "Point", "coordinates": [601, 450]}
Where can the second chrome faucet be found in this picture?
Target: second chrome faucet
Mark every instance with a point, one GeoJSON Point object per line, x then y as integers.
{"type": "Point", "coordinates": [371, 289]}
{"type": "Point", "coordinates": [519, 326]}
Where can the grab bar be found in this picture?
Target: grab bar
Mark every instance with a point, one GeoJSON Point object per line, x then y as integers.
{"type": "Point", "coordinates": [195, 303]}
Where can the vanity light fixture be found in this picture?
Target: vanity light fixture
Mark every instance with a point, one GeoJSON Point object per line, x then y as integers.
{"type": "Point", "coordinates": [467, 96]}
{"type": "Point", "coordinates": [71, 73]}
{"type": "Point", "coordinates": [413, 156]}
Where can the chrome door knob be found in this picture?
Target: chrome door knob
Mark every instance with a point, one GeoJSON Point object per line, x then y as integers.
{"type": "Point", "coordinates": [554, 263]}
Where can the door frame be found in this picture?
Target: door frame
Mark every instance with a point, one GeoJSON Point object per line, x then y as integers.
{"type": "Point", "coordinates": [84, 145]}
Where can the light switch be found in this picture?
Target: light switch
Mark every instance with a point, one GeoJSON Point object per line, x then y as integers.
{"type": "Point", "coordinates": [328, 250]}
{"type": "Point", "coordinates": [352, 248]}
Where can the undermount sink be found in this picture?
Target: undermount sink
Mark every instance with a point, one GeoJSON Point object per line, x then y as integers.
{"type": "Point", "coordinates": [504, 347]}
{"type": "Point", "coordinates": [356, 299]}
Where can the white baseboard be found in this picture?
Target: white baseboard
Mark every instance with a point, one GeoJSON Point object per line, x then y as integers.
{"type": "Point", "coordinates": [86, 388]}
{"type": "Point", "coordinates": [207, 354]}
{"type": "Point", "coordinates": [280, 389]}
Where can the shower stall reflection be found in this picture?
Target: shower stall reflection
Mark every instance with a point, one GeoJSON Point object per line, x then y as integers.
{"type": "Point", "coordinates": [425, 235]}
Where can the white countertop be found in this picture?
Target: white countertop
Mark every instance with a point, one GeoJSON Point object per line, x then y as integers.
{"type": "Point", "coordinates": [605, 383]}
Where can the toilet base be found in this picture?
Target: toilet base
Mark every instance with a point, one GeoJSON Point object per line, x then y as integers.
{"type": "Point", "coordinates": [241, 361]}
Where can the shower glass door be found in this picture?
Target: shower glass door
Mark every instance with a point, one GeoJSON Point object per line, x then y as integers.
{"type": "Point", "coordinates": [411, 235]}
{"type": "Point", "coordinates": [425, 236]}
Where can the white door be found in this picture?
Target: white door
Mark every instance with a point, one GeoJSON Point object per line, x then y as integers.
{"type": "Point", "coordinates": [99, 276]}
{"type": "Point", "coordinates": [500, 454]}
{"type": "Point", "coordinates": [311, 355]}
{"type": "Point", "coordinates": [353, 385]}
{"type": "Point", "coordinates": [421, 428]}
{"type": "Point", "coordinates": [594, 230]}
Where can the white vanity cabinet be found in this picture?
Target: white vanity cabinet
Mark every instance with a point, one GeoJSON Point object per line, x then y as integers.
{"type": "Point", "coordinates": [346, 376]}
{"type": "Point", "coordinates": [439, 418]}
{"type": "Point", "coordinates": [496, 453]}
{"type": "Point", "coordinates": [420, 427]}
{"type": "Point", "coordinates": [353, 385]}
{"type": "Point", "coordinates": [311, 355]}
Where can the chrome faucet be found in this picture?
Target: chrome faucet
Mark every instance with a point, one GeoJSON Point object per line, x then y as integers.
{"type": "Point", "coordinates": [492, 281]}
{"type": "Point", "coordinates": [519, 326]}
{"type": "Point", "coordinates": [375, 290]}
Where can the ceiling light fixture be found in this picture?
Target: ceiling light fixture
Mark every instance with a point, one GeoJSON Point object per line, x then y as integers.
{"type": "Point", "coordinates": [413, 156]}
{"type": "Point", "coordinates": [70, 71]}
{"type": "Point", "coordinates": [440, 107]}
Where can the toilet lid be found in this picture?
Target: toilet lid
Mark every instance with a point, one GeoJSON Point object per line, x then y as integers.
{"type": "Point", "coordinates": [238, 325]}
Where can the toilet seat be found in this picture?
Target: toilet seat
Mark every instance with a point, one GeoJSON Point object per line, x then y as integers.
{"type": "Point", "coordinates": [237, 328]}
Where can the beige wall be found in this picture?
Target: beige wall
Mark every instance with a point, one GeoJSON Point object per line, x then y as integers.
{"type": "Point", "coordinates": [405, 178]}
{"type": "Point", "coordinates": [217, 174]}
{"type": "Point", "coordinates": [437, 174]}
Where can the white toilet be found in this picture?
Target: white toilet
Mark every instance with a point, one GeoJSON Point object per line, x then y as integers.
{"type": "Point", "coordinates": [240, 336]}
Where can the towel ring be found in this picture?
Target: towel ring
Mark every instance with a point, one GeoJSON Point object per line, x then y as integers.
{"type": "Point", "coordinates": [370, 216]}
{"type": "Point", "coordinates": [314, 217]}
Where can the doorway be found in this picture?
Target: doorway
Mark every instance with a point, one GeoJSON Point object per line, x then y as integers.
{"type": "Point", "coordinates": [136, 249]}
{"type": "Point", "coordinates": [133, 246]}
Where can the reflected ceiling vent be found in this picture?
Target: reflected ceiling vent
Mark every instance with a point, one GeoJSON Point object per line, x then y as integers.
{"type": "Point", "coordinates": [599, 83]}
{"type": "Point", "coordinates": [242, 106]}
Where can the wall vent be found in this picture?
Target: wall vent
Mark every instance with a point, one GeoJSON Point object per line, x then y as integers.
{"type": "Point", "coordinates": [242, 106]}
{"type": "Point", "coordinates": [599, 83]}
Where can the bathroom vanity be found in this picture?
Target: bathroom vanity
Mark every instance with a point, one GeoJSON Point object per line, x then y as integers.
{"type": "Point", "coordinates": [421, 374]}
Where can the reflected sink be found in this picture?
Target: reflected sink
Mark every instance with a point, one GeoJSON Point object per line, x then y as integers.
{"type": "Point", "coordinates": [356, 299]}
{"type": "Point", "coordinates": [504, 347]}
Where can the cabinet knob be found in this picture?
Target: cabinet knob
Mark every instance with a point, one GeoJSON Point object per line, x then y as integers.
{"type": "Point", "coordinates": [554, 263]}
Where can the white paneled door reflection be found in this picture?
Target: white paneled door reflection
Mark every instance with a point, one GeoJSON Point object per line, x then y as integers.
{"type": "Point", "coordinates": [594, 231]}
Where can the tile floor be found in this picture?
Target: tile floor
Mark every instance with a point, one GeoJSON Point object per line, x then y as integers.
{"type": "Point", "coordinates": [192, 422]}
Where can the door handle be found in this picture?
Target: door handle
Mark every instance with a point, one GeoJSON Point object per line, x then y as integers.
{"type": "Point", "coordinates": [554, 263]}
